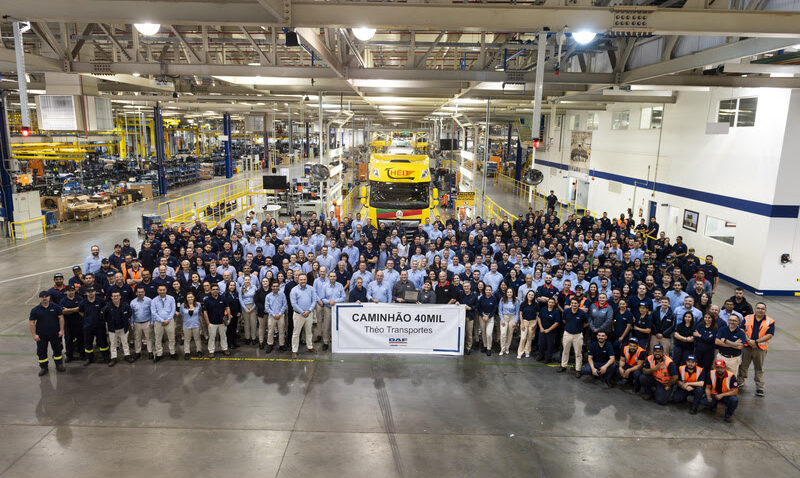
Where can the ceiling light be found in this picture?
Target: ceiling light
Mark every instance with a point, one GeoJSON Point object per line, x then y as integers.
{"type": "Point", "coordinates": [584, 36]}
{"type": "Point", "coordinates": [147, 29]}
{"type": "Point", "coordinates": [363, 33]}
{"type": "Point", "coordinates": [136, 74]}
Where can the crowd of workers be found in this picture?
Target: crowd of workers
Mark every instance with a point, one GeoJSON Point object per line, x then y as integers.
{"type": "Point", "coordinates": [632, 307]}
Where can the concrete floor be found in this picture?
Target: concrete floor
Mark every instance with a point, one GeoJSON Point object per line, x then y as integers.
{"type": "Point", "coordinates": [356, 415]}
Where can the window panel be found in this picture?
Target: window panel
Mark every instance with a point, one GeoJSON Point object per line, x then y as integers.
{"type": "Point", "coordinates": [720, 229]}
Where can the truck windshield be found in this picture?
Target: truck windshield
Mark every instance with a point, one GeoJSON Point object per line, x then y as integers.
{"type": "Point", "coordinates": [398, 195]}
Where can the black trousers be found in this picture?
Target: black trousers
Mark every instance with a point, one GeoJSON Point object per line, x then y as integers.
{"type": "Point", "coordinates": [41, 349]}
{"type": "Point", "coordinates": [233, 332]}
{"type": "Point", "coordinates": [73, 335]}
{"type": "Point", "coordinates": [98, 333]}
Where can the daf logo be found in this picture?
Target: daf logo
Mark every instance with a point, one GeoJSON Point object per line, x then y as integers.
{"type": "Point", "coordinates": [399, 214]}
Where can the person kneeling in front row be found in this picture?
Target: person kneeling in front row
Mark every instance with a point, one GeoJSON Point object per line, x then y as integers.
{"type": "Point", "coordinates": [690, 383]}
{"type": "Point", "coordinates": [601, 359]}
{"type": "Point", "coordinates": [658, 377]}
{"type": "Point", "coordinates": [721, 386]}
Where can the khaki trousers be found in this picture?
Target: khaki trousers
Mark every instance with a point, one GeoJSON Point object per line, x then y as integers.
{"type": "Point", "coordinates": [468, 325]}
{"type": "Point", "coordinates": [122, 336]}
{"type": "Point", "coordinates": [281, 326]}
{"type": "Point", "coordinates": [188, 335]}
{"type": "Point", "coordinates": [506, 332]}
{"type": "Point", "coordinates": [487, 325]}
{"type": "Point", "coordinates": [572, 341]}
{"type": "Point", "coordinates": [665, 342]}
{"type": "Point", "coordinates": [160, 330]}
{"type": "Point", "coordinates": [300, 323]}
{"type": "Point", "coordinates": [527, 332]}
{"type": "Point", "coordinates": [757, 357]}
{"type": "Point", "coordinates": [142, 330]}
{"type": "Point", "coordinates": [250, 325]}
{"type": "Point", "coordinates": [324, 324]}
{"type": "Point", "coordinates": [213, 330]}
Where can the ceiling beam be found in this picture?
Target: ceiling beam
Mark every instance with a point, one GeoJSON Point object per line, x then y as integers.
{"type": "Point", "coordinates": [44, 32]}
{"type": "Point", "coordinates": [264, 59]}
{"type": "Point", "coordinates": [711, 56]}
{"type": "Point", "coordinates": [421, 16]}
{"type": "Point", "coordinates": [317, 42]}
{"type": "Point", "coordinates": [190, 53]}
{"type": "Point", "coordinates": [761, 68]}
{"type": "Point", "coordinates": [110, 35]}
{"type": "Point", "coordinates": [79, 44]}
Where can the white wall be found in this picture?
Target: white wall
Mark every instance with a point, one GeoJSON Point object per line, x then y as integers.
{"type": "Point", "coordinates": [745, 164]}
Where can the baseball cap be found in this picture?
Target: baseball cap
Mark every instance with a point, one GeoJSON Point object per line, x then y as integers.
{"type": "Point", "coordinates": [76, 268]}
{"type": "Point", "coordinates": [44, 293]}
{"type": "Point", "coordinates": [658, 347]}
{"type": "Point", "coordinates": [111, 273]}
{"type": "Point", "coordinates": [104, 261]}
{"type": "Point", "coordinates": [58, 274]}
{"type": "Point", "coordinates": [663, 264]}
{"type": "Point", "coordinates": [719, 363]}
{"type": "Point", "coordinates": [89, 289]}
{"type": "Point", "coordinates": [259, 249]}
{"type": "Point", "coordinates": [70, 287]}
{"type": "Point", "coordinates": [633, 340]}
{"type": "Point", "coordinates": [692, 358]}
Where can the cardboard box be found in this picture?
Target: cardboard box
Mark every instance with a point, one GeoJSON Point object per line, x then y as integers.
{"type": "Point", "coordinates": [145, 189]}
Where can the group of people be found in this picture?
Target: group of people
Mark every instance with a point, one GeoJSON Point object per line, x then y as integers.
{"type": "Point", "coordinates": [621, 298]}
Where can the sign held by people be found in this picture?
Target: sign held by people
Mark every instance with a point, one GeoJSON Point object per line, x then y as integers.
{"type": "Point", "coordinates": [398, 329]}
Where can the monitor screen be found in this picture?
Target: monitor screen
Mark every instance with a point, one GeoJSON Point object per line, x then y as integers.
{"type": "Point", "coordinates": [275, 182]}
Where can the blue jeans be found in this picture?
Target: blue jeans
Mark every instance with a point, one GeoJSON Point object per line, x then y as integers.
{"type": "Point", "coordinates": [611, 372]}
{"type": "Point", "coordinates": [730, 404]}
{"type": "Point", "coordinates": [681, 395]}
{"type": "Point", "coordinates": [680, 352]}
{"type": "Point", "coordinates": [652, 387]}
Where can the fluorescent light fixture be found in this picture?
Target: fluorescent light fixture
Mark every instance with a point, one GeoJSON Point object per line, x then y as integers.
{"type": "Point", "coordinates": [147, 29]}
{"type": "Point", "coordinates": [584, 36]}
{"type": "Point", "coordinates": [264, 80]}
{"type": "Point", "coordinates": [381, 83]}
{"type": "Point", "coordinates": [364, 33]}
{"type": "Point", "coordinates": [441, 113]}
{"type": "Point", "coordinates": [468, 101]}
{"type": "Point", "coordinates": [781, 75]}
{"type": "Point", "coordinates": [254, 64]}
{"type": "Point", "coordinates": [137, 75]}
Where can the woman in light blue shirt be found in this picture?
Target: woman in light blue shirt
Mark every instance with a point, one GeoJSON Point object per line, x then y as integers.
{"type": "Point", "coordinates": [191, 311]}
{"type": "Point", "coordinates": [508, 308]}
{"type": "Point", "coordinates": [246, 293]}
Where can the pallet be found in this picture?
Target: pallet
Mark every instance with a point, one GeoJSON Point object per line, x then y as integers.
{"type": "Point", "coordinates": [106, 212]}
{"type": "Point", "coordinates": [86, 215]}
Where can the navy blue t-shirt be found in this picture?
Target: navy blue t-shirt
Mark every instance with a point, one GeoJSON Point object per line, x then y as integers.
{"type": "Point", "coordinates": [725, 333]}
{"type": "Point", "coordinates": [574, 322]}
{"type": "Point", "coordinates": [601, 354]}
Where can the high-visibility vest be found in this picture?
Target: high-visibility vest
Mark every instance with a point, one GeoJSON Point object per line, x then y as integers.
{"type": "Point", "coordinates": [631, 357]}
{"type": "Point", "coordinates": [726, 382]}
{"type": "Point", "coordinates": [687, 377]}
{"type": "Point", "coordinates": [130, 273]}
{"type": "Point", "coordinates": [662, 373]}
{"type": "Point", "coordinates": [749, 323]}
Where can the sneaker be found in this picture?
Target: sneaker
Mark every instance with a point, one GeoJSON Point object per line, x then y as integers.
{"type": "Point", "coordinates": [268, 349]}
{"type": "Point", "coordinates": [294, 355]}
{"type": "Point", "coordinates": [527, 355]}
{"type": "Point", "coordinates": [211, 356]}
{"type": "Point", "coordinates": [519, 357]}
{"type": "Point", "coordinates": [43, 371]}
{"type": "Point", "coordinates": [112, 362]}
{"type": "Point", "coordinates": [467, 351]}
{"type": "Point", "coordinates": [173, 356]}
{"type": "Point", "coordinates": [61, 367]}
{"type": "Point", "coordinates": [760, 393]}
{"type": "Point", "coordinates": [226, 352]}
{"type": "Point", "coordinates": [150, 355]}
{"type": "Point", "coordinates": [561, 369]}
{"type": "Point", "coordinates": [578, 374]}
{"type": "Point", "coordinates": [129, 359]}
{"type": "Point", "coordinates": [198, 354]}
{"type": "Point", "coordinates": [261, 345]}
{"type": "Point", "coordinates": [186, 356]}
{"type": "Point", "coordinates": [489, 352]}
{"type": "Point", "coordinates": [137, 355]}
{"type": "Point", "coordinates": [157, 358]}
{"type": "Point", "coordinates": [283, 348]}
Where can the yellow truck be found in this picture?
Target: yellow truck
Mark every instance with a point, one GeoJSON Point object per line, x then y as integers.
{"type": "Point", "coordinates": [399, 188]}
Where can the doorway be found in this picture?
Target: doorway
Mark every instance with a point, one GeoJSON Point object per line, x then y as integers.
{"type": "Point", "coordinates": [578, 192]}
{"type": "Point", "coordinates": [673, 221]}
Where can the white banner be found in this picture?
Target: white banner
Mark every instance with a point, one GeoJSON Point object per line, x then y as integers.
{"type": "Point", "coordinates": [398, 329]}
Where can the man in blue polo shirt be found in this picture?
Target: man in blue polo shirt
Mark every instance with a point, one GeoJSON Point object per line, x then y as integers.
{"type": "Point", "coordinates": [730, 341]}
{"type": "Point", "coordinates": [601, 359]}
{"type": "Point", "coordinates": [575, 320]}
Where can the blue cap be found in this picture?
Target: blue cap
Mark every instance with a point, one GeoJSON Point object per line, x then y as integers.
{"type": "Point", "coordinates": [658, 347]}
{"type": "Point", "coordinates": [633, 340]}
{"type": "Point", "coordinates": [692, 358]}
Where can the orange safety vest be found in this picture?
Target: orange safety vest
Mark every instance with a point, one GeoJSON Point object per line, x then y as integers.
{"type": "Point", "coordinates": [131, 274]}
{"type": "Point", "coordinates": [662, 373]}
{"type": "Point", "coordinates": [632, 357]}
{"type": "Point", "coordinates": [726, 382]}
{"type": "Point", "coordinates": [687, 377]}
{"type": "Point", "coordinates": [749, 322]}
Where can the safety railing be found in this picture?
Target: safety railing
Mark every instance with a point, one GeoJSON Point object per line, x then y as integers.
{"type": "Point", "coordinates": [213, 204]}
{"type": "Point", "coordinates": [21, 224]}
{"type": "Point", "coordinates": [537, 199]}
{"type": "Point", "coordinates": [351, 204]}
